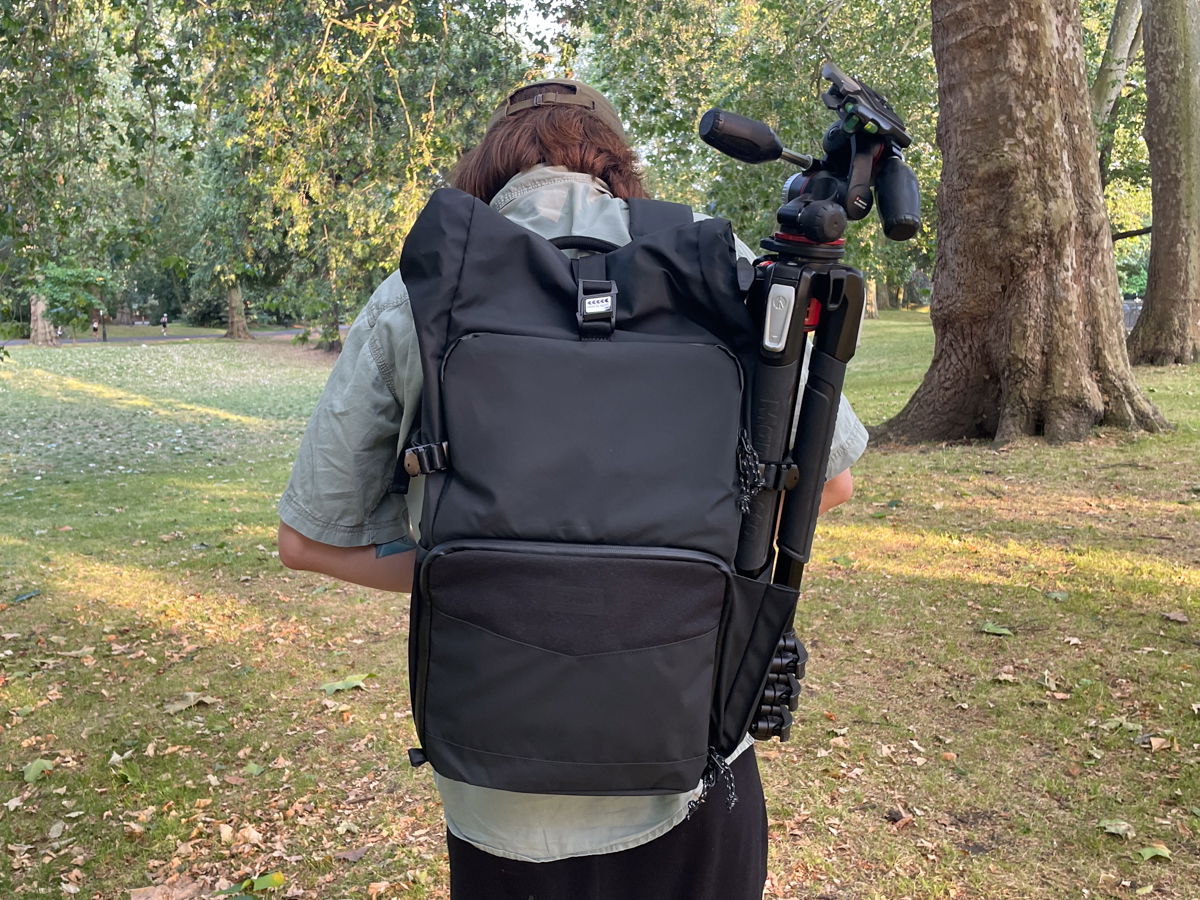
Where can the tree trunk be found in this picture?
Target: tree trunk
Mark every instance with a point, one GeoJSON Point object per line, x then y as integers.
{"type": "Point", "coordinates": [235, 311]}
{"type": "Point", "coordinates": [1025, 308]}
{"type": "Point", "coordinates": [331, 331]}
{"type": "Point", "coordinates": [1110, 79]}
{"type": "Point", "coordinates": [916, 289]}
{"type": "Point", "coordinates": [41, 332]}
{"type": "Point", "coordinates": [1168, 330]}
{"type": "Point", "coordinates": [871, 309]}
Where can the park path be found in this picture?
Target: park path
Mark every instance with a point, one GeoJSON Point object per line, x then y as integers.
{"type": "Point", "coordinates": [156, 336]}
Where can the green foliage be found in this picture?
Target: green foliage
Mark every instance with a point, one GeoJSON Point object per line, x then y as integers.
{"type": "Point", "coordinates": [665, 64]}
{"type": "Point", "coordinates": [328, 131]}
{"type": "Point", "coordinates": [71, 293]}
{"type": "Point", "coordinates": [1124, 161]}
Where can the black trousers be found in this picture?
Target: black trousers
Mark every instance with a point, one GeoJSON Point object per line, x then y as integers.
{"type": "Point", "coordinates": [717, 854]}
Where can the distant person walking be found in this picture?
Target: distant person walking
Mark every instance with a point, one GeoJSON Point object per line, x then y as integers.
{"type": "Point", "coordinates": [95, 327]}
{"type": "Point", "coordinates": [163, 323]}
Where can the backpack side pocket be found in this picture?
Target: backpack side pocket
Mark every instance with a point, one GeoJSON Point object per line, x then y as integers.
{"type": "Point", "coordinates": [758, 614]}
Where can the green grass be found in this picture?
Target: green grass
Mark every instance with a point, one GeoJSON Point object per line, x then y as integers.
{"type": "Point", "coordinates": [931, 759]}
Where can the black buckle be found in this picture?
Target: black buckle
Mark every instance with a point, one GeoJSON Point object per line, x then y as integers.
{"type": "Point", "coordinates": [778, 476]}
{"type": "Point", "coordinates": [427, 458]}
{"type": "Point", "coordinates": [597, 313]}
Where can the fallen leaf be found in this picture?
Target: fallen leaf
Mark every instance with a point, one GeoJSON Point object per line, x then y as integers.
{"type": "Point", "coordinates": [1179, 617]}
{"type": "Point", "coordinates": [187, 701]}
{"type": "Point", "coordinates": [1118, 827]}
{"type": "Point", "coordinates": [993, 628]}
{"type": "Point", "coordinates": [36, 769]}
{"type": "Point", "coordinates": [179, 887]}
{"type": "Point", "coordinates": [348, 683]}
{"type": "Point", "coordinates": [1154, 850]}
{"type": "Point", "coordinates": [249, 835]}
{"type": "Point", "coordinates": [264, 882]}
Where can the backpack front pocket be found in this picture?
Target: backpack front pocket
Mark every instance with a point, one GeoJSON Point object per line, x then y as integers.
{"type": "Point", "coordinates": [559, 668]}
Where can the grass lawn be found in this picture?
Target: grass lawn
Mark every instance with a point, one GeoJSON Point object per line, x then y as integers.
{"type": "Point", "coordinates": [1003, 698]}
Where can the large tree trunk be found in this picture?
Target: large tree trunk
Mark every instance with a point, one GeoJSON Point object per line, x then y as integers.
{"type": "Point", "coordinates": [235, 311]}
{"type": "Point", "coordinates": [1168, 330]}
{"type": "Point", "coordinates": [1025, 309]}
{"type": "Point", "coordinates": [41, 331]}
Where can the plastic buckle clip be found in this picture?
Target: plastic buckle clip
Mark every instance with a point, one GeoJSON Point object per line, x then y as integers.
{"type": "Point", "coordinates": [597, 313]}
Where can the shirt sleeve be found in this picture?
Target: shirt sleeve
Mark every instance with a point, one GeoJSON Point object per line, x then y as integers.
{"type": "Point", "coordinates": [339, 492]}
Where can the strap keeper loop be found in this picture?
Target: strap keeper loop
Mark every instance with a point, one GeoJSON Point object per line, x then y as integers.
{"type": "Point", "coordinates": [778, 476]}
{"type": "Point", "coordinates": [426, 459]}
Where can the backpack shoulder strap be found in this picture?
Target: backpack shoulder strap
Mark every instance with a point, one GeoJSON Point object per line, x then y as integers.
{"type": "Point", "coordinates": [648, 216]}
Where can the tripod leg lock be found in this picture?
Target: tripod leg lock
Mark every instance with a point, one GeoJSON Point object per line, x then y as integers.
{"type": "Point", "coordinates": [781, 694]}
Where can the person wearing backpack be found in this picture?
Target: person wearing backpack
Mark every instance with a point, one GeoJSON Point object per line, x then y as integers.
{"type": "Point", "coordinates": [555, 161]}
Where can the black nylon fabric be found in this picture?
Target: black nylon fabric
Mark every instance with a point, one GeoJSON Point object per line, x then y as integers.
{"type": "Point", "coordinates": [597, 442]}
{"type": "Point", "coordinates": [604, 662]}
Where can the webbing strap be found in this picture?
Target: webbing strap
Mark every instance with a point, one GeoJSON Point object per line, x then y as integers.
{"type": "Point", "coordinates": [597, 298]}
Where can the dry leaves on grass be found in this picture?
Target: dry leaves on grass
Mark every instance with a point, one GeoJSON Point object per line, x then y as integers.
{"type": "Point", "coordinates": [178, 887]}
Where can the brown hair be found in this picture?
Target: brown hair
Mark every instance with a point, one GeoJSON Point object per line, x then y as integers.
{"type": "Point", "coordinates": [566, 136]}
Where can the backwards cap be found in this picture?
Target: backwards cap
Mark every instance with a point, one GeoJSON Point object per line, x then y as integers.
{"type": "Point", "coordinates": [562, 92]}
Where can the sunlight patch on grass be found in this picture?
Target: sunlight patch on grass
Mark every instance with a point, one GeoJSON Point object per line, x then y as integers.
{"type": "Point", "coordinates": [979, 560]}
{"type": "Point", "coordinates": [64, 388]}
{"type": "Point", "coordinates": [154, 598]}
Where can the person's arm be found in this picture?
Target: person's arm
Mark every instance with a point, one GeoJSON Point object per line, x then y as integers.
{"type": "Point", "coordinates": [358, 565]}
{"type": "Point", "coordinates": [838, 490]}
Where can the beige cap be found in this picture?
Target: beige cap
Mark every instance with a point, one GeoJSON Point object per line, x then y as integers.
{"type": "Point", "coordinates": [561, 91]}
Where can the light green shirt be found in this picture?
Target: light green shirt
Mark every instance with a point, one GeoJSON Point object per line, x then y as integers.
{"type": "Point", "coordinates": [339, 494]}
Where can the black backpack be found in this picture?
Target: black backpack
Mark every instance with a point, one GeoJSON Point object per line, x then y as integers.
{"type": "Point", "coordinates": [577, 626]}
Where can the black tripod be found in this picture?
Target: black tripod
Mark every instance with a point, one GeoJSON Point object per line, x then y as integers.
{"type": "Point", "coordinates": [802, 288]}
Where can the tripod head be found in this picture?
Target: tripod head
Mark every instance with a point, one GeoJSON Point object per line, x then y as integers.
{"type": "Point", "coordinates": [862, 166]}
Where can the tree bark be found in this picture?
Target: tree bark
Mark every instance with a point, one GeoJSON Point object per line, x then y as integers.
{"type": "Point", "coordinates": [871, 308]}
{"type": "Point", "coordinates": [1110, 79]}
{"type": "Point", "coordinates": [1025, 308]}
{"type": "Point", "coordinates": [235, 311]}
{"type": "Point", "coordinates": [41, 332]}
{"type": "Point", "coordinates": [1168, 330]}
